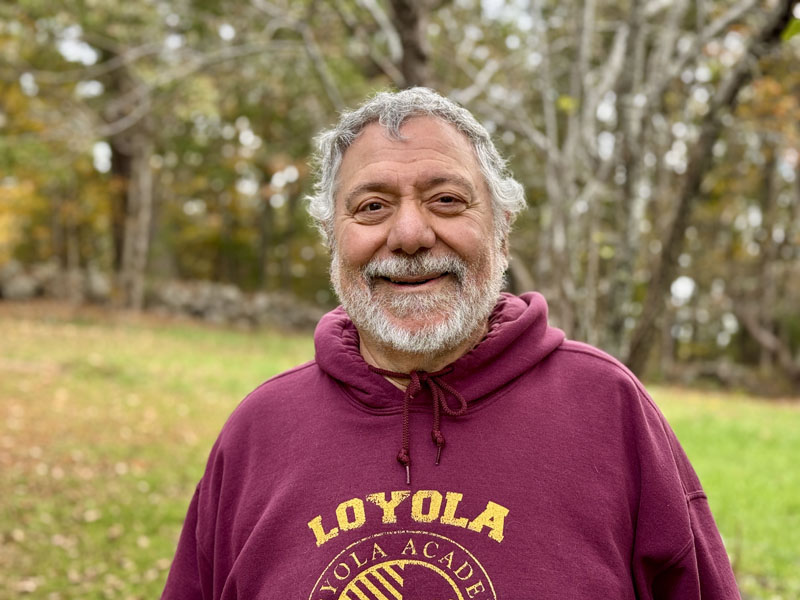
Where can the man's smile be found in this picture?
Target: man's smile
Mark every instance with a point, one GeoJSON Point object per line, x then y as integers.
{"type": "Point", "coordinates": [414, 281]}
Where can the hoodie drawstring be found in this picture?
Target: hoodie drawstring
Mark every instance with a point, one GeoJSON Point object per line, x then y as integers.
{"type": "Point", "coordinates": [438, 388]}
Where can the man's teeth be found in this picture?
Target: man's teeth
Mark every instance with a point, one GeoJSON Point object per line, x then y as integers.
{"type": "Point", "coordinates": [415, 281]}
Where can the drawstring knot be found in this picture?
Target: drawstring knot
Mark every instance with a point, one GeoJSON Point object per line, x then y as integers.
{"type": "Point", "coordinates": [439, 389]}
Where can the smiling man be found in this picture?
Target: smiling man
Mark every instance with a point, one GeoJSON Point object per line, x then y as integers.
{"type": "Point", "coordinates": [561, 478]}
{"type": "Point", "coordinates": [416, 262]}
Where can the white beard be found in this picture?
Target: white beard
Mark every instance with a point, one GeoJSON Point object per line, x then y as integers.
{"type": "Point", "coordinates": [463, 308]}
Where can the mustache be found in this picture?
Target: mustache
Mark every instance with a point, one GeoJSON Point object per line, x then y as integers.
{"type": "Point", "coordinates": [420, 265]}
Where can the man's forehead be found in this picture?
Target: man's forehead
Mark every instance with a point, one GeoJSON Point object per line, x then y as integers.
{"type": "Point", "coordinates": [423, 152]}
{"type": "Point", "coordinates": [415, 136]}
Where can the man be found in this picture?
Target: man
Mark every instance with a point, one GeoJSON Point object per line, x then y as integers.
{"type": "Point", "coordinates": [559, 478]}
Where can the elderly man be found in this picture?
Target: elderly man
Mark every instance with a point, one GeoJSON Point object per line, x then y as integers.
{"type": "Point", "coordinates": [559, 477]}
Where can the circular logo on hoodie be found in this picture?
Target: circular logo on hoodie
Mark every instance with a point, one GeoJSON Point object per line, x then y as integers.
{"type": "Point", "coordinates": [404, 565]}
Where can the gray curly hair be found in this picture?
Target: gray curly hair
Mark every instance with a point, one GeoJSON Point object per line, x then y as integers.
{"type": "Point", "coordinates": [391, 110]}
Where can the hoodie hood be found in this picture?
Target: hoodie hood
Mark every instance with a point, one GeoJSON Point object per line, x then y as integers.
{"type": "Point", "coordinates": [518, 338]}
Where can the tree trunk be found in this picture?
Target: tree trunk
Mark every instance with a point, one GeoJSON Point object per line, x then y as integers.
{"type": "Point", "coordinates": [764, 40]}
{"type": "Point", "coordinates": [768, 283]}
{"type": "Point", "coordinates": [136, 245]}
{"type": "Point", "coordinates": [74, 289]}
{"type": "Point", "coordinates": [557, 247]}
{"type": "Point", "coordinates": [121, 173]}
{"type": "Point", "coordinates": [667, 362]}
{"type": "Point", "coordinates": [266, 236]}
{"type": "Point", "coordinates": [132, 209]}
{"type": "Point", "coordinates": [519, 276]}
{"type": "Point", "coordinates": [57, 228]}
{"type": "Point", "coordinates": [765, 338]}
{"type": "Point", "coordinates": [288, 235]}
{"type": "Point", "coordinates": [411, 21]}
{"type": "Point", "coordinates": [627, 209]}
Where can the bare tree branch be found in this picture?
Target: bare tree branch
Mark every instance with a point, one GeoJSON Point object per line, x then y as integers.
{"type": "Point", "coordinates": [661, 79]}
{"type": "Point", "coordinates": [479, 82]}
{"type": "Point", "coordinates": [768, 340]}
{"type": "Point", "coordinates": [761, 42]}
{"type": "Point", "coordinates": [607, 78]}
{"type": "Point", "coordinates": [519, 123]}
{"type": "Point", "coordinates": [558, 189]}
{"type": "Point", "coordinates": [654, 7]}
{"type": "Point", "coordinates": [700, 10]}
{"type": "Point", "coordinates": [128, 57]}
{"type": "Point", "coordinates": [312, 48]}
{"type": "Point", "coordinates": [300, 24]}
{"type": "Point", "coordinates": [667, 40]}
{"type": "Point", "coordinates": [134, 104]}
{"type": "Point", "coordinates": [547, 91]}
{"type": "Point", "coordinates": [387, 27]}
{"type": "Point", "coordinates": [383, 63]}
{"type": "Point", "coordinates": [126, 122]}
{"type": "Point", "coordinates": [579, 77]}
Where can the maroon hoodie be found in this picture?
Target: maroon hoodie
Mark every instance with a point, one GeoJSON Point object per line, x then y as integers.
{"type": "Point", "coordinates": [561, 480]}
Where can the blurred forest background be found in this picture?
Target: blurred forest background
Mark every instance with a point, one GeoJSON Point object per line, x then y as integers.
{"type": "Point", "coordinates": [154, 157]}
{"type": "Point", "coordinates": [155, 153]}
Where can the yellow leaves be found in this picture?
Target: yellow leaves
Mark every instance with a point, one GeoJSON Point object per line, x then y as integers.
{"type": "Point", "coordinates": [199, 95]}
{"type": "Point", "coordinates": [567, 104]}
{"type": "Point", "coordinates": [12, 190]}
{"type": "Point", "coordinates": [767, 87]}
{"type": "Point", "coordinates": [773, 106]}
{"type": "Point", "coordinates": [23, 112]}
{"type": "Point", "coordinates": [607, 252]}
{"type": "Point", "coordinates": [16, 198]}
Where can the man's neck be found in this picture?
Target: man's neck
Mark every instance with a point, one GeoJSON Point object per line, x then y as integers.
{"type": "Point", "coordinates": [384, 357]}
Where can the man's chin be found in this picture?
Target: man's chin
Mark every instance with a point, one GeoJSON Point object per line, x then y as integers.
{"type": "Point", "coordinates": [416, 319]}
{"type": "Point", "coordinates": [432, 335]}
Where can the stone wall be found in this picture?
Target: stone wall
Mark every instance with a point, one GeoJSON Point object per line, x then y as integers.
{"type": "Point", "coordinates": [217, 303]}
{"type": "Point", "coordinates": [226, 304]}
{"type": "Point", "coordinates": [49, 280]}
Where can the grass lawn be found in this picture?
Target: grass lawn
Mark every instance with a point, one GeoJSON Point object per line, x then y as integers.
{"type": "Point", "coordinates": [106, 422]}
{"type": "Point", "coordinates": [746, 453]}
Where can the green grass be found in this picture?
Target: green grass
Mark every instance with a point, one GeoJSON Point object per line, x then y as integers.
{"type": "Point", "coordinates": [106, 422]}
{"type": "Point", "coordinates": [746, 453]}
{"type": "Point", "coordinates": [106, 426]}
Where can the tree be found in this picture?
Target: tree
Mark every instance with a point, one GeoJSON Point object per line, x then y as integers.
{"type": "Point", "coordinates": [620, 106]}
{"type": "Point", "coordinates": [637, 128]}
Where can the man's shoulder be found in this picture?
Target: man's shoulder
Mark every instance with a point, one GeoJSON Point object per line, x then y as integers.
{"type": "Point", "coordinates": [287, 392]}
{"type": "Point", "coordinates": [592, 356]}
{"type": "Point", "coordinates": [300, 380]}
{"type": "Point", "coordinates": [590, 364]}
{"type": "Point", "coordinates": [290, 378]}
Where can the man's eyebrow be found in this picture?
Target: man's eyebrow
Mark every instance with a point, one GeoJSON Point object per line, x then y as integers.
{"type": "Point", "coordinates": [447, 179]}
{"type": "Point", "coordinates": [366, 187]}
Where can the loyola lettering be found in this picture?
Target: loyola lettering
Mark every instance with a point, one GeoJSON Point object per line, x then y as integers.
{"type": "Point", "coordinates": [427, 506]}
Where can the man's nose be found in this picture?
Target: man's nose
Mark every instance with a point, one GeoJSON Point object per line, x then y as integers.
{"type": "Point", "coordinates": [411, 229]}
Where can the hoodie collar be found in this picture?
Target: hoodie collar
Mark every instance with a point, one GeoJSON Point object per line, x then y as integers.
{"type": "Point", "coordinates": [518, 338]}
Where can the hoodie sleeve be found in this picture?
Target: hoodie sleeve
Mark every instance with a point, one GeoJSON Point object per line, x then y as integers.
{"type": "Point", "coordinates": [678, 552]}
{"type": "Point", "coordinates": [703, 569]}
{"type": "Point", "coordinates": [190, 569]}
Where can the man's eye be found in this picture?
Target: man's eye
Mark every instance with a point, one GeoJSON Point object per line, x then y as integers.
{"type": "Point", "coordinates": [449, 203]}
{"type": "Point", "coordinates": [371, 212]}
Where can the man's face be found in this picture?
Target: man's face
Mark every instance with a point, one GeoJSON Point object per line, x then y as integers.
{"type": "Point", "coordinates": [416, 262]}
